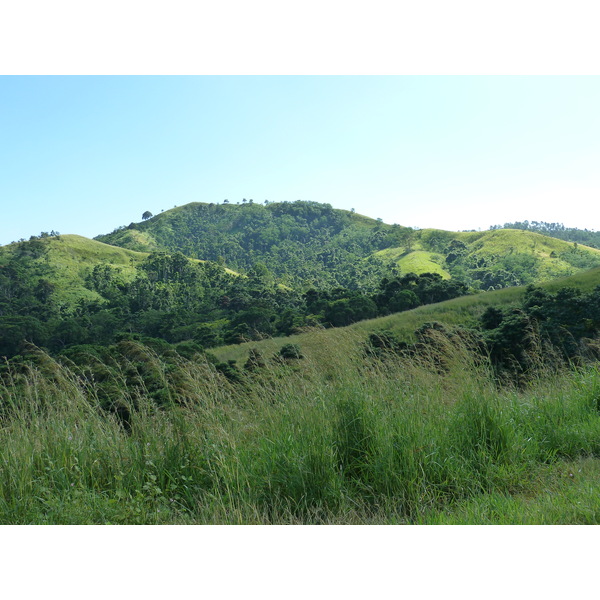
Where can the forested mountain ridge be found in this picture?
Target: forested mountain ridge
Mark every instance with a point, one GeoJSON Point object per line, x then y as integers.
{"type": "Point", "coordinates": [311, 245]}
{"type": "Point", "coordinates": [299, 243]}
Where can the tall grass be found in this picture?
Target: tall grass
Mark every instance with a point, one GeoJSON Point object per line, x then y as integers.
{"type": "Point", "coordinates": [333, 438]}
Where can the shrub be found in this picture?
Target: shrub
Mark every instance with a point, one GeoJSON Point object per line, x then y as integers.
{"type": "Point", "coordinates": [290, 351]}
{"type": "Point", "coordinates": [255, 360]}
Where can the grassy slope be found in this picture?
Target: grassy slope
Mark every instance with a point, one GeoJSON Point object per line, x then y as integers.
{"type": "Point", "coordinates": [135, 240]}
{"type": "Point", "coordinates": [503, 242]}
{"type": "Point", "coordinates": [489, 245]}
{"type": "Point", "coordinates": [416, 261]}
{"type": "Point", "coordinates": [459, 311]}
{"type": "Point", "coordinates": [73, 256]}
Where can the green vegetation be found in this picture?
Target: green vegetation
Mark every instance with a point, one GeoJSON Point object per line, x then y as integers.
{"type": "Point", "coordinates": [326, 439]}
{"type": "Point", "coordinates": [65, 260]}
{"type": "Point", "coordinates": [464, 311]}
{"type": "Point", "coordinates": [301, 244]}
{"type": "Point", "coordinates": [502, 258]}
{"type": "Point", "coordinates": [307, 244]}
{"type": "Point", "coordinates": [364, 380]}
{"type": "Point", "coordinates": [416, 261]}
{"type": "Point", "coordinates": [59, 293]}
{"type": "Point", "coordinates": [62, 291]}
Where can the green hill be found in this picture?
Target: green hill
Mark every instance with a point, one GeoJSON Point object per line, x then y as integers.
{"type": "Point", "coordinates": [63, 290]}
{"type": "Point", "coordinates": [301, 244]}
{"type": "Point", "coordinates": [307, 244]}
{"type": "Point", "coordinates": [557, 230]}
{"type": "Point", "coordinates": [66, 260]}
{"type": "Point", "coordinates": [504, 257]}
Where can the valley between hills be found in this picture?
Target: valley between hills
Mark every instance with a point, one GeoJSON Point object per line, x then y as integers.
{"type": "Point", "coordinates": [295, 363]}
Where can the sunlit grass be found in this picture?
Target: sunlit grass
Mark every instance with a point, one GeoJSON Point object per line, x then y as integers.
{"type": "Point", "coordinates": [332, 438]}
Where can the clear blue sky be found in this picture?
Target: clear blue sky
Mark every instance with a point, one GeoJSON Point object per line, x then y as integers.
{"type": "Point", "coordinates": [88, 154]}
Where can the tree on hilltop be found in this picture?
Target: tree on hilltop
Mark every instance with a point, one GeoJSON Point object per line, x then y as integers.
{"type": "Point", "coordinates": [147, 215]}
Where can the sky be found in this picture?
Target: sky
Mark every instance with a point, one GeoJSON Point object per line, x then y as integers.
{"type": "Point", "coordinates": [86, 154]}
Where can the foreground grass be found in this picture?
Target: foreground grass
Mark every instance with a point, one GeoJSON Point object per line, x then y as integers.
{"type": "Point", "coordinates": [327, 439]}
{"type": "Point", "coordinates": [566, 492]}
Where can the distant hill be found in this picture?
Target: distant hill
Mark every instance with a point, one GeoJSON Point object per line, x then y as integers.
{"type": "Point", "coordinates": [558, 230]}
{"type": "Point", "coordinates": [302, 264]}
{"type": "Point", "coordinates": [66, 260]}
{"type": "Point", "coordinates": [307, 244]}
{"type": "Point", "coordinates": [301, 244]}
{"type": "Point", "coordinates": [505, 257]}
{"type": "Point", "coordinates": [63, 290]}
